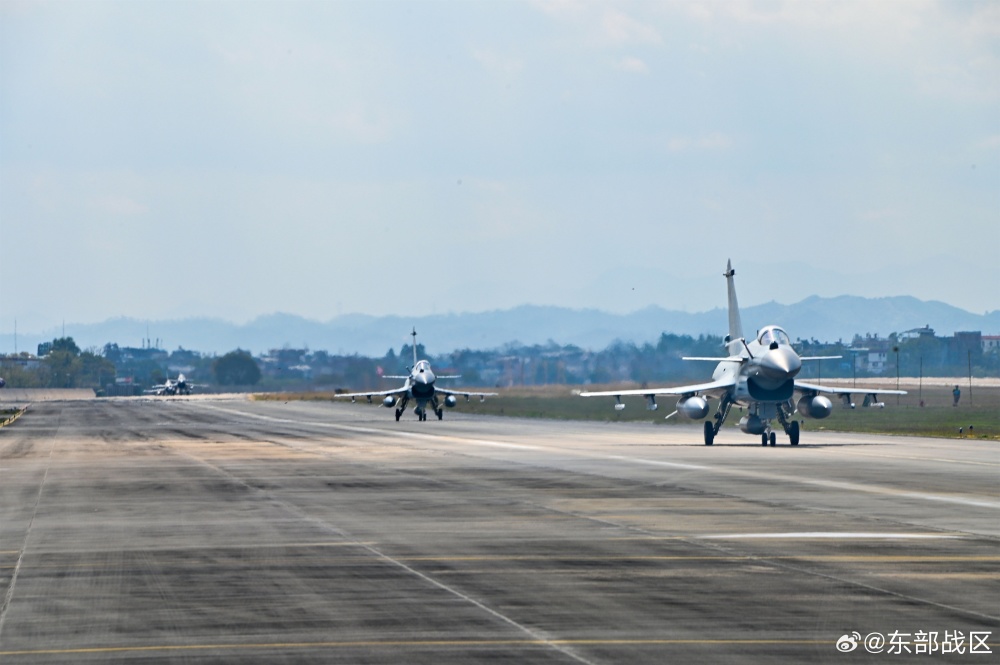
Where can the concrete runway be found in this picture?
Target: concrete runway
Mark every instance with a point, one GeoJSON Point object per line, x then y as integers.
{"type": "Point", "coordinates": [204, 530]}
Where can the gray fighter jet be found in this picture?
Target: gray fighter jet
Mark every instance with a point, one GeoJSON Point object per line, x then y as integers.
{"type": "Point", "coordinates": [759, 375]}
{"type": "Point", "coordinates": [171, 387]}
{"type": "Point", "coordinates": [419, 386]}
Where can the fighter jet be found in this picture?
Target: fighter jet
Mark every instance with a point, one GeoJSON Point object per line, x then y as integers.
{"type": "Point", "coordinates": [172, 387]}
{"type": "Point", "coordinates": [759, 375]}
{"type": "Point", "coordinates": [419, 386]}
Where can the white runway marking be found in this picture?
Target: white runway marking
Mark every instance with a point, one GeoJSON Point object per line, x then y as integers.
{"type": "Point", "coordinates": [856, 535]}
{"type": "Point", "coordinates": [833, 484]}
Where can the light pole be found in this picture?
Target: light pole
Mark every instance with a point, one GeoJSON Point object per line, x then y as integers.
{"type": "Point", "coordinates": [970, 376]}
{"type": "Point", "coordinates": [896, 349]}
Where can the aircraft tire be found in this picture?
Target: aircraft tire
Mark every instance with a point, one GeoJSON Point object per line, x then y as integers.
{"type": "Point", "coordinates": [440, 414]}
{"type": "Point", "coordinates": [709, 433]}
{"type": "Point", "coordinates": [398, 414]}
{"type": "Point", "coordinates": [773, 439]}
{"type": "Point", "coordinates": [793, 433]}
{"type": "Point", "coordinates": [763, 439]}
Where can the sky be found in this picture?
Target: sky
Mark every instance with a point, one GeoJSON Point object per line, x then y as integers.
{"type": "Point", "coordinates": [164, 160]}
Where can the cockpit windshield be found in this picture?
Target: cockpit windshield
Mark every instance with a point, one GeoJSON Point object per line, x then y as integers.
{"type": "Point", "coordinates": [773, 334]}
{"type": "Point", "coordinates": [422, 366]}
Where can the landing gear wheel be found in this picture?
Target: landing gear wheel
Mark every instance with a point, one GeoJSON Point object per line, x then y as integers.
{"type": "Point", "coordinates": [773, 438]}
{"type": "Point", "coordinates": [440, 414]}
{"type": "Point", "coordinates": [709, 433]}
{"type": "Point", "coordinates": [763, 439]}
{"type": "Point", "coordinates": [399, 412]}
{"type": "Point", "coordinates": [793, 433]}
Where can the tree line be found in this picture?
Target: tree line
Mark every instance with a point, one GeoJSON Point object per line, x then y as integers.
{"type": "Point", "coordinates": [67, 366]}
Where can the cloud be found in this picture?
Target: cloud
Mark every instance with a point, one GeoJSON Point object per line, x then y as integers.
{"type": "Point", "coordinates": [620, 28]}
{"type": "Point", "coordinates": [963, 81]}
{"type": "Point", "coordinates": [989, 143]}
{"type": "Point", "coordinates": [363, 124]}
{"type": "Point", "coordinates": [633, 65]}
{"type": "Point", "coordinates": [559, 8]}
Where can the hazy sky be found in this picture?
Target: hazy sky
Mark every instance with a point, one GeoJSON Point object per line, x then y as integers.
{"type": "Point", "coordinates": [172, 159]}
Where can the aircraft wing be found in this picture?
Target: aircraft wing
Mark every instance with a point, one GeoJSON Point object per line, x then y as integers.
{"type": "Point", "coordinates": [377, 393]}
{"type": "Point", "coordinates": [815, 388]}
{"type": "Point", "coordinates": [713, 386]}
{"type": "Point", "coordinates": [461, 393]}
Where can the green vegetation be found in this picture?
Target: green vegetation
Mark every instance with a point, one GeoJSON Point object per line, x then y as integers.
{"type": "Point", "coordinates": [236, 368]}
{"type": "Point", "coordinates": [936, 418]}
{"type": "Point", "coordinates": [65, 366]}
{"type": "Point", "coordinates": [978, 417]}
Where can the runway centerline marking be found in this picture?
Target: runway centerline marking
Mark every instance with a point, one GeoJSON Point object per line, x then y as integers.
{"type": "Point", "coordinates": [855, 535]}
{"type": "Point", "coordinates": [369, 644]}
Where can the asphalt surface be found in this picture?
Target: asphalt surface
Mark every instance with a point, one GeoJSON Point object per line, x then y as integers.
{"type": "Point", "coordinates": [199, 530]}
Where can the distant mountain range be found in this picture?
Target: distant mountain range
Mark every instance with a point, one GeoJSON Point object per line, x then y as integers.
{"type": "Point", "coordinates": [823, 319]}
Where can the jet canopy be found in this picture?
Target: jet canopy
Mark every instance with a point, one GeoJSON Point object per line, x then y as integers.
{"type": "Point", "coordinates": [773, 334]}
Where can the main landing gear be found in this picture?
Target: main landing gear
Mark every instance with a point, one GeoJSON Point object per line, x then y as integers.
{"type": "Point", "coordinates": [791, 428]}
{"type": "Point", "coordinates": [402, 407]}
{"type": "Point", "coordinates": [712, 428]}
{"type": "Point", "coordinates": [767, 438]}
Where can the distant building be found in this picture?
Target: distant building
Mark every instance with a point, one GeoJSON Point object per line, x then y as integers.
{"type": "Point", "coordinates": [871, 354]}
{"type": "Point", "coordinates": [23, 360]}
{"type": "Point", "coordinates": [967, 345]}
{"type": "Point", "coordinates": [916, 333]}
{"type": "Point", "coordinates": [990, 344]}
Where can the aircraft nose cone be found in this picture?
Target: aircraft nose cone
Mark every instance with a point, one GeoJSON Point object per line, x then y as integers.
{"type": "Point", "coordinates": [425, 378]}
{"type": "Point", "coordinates": [780, 363]}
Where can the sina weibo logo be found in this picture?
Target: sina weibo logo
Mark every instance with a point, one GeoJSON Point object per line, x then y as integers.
{"type": "Point", "coordinates": [848, 643]}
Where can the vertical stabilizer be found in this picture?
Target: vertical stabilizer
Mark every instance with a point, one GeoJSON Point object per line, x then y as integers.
{"type": "Point", "coordinates": [414, 334]}
{"type": "Point", "coordinates": [735, 326]}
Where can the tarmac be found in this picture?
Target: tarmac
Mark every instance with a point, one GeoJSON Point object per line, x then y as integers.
{"type": "Point", "coordinates": [211, 530]}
